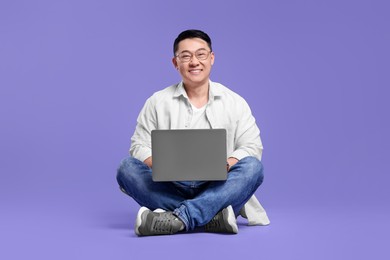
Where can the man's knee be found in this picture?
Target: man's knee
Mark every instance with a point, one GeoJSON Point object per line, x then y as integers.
{"type": "Point", "coordinates": [125, 170]}
{"type": "Point", "coordinates": [254, 167]}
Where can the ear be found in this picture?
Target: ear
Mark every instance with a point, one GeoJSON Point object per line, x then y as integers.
{"type": "Point", "coordinates": [212, 58]}
{"type": "Point", "coordinates": [174, 61]}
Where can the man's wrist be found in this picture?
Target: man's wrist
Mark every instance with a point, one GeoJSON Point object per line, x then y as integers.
{"type": "Point", "coordinates": [148, 161]}
{"type": "Point", "coordinates": [230, 162]}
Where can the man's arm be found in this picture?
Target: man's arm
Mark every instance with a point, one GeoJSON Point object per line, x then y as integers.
{"type": "Point", "coordinates": [141, 147]}
{"type": "Point", "coordinates": [247, 134]}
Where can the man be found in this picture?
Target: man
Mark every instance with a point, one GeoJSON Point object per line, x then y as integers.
{"type": "Point", "coordinates": [195, 103]}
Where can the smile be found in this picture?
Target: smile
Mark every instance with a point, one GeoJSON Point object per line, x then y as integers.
{"type": "Point", "coordinates": [195, 71]}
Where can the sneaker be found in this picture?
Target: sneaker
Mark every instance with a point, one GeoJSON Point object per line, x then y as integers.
{"type": "Point", "coordinates": [223, 222]}
{"type": "Point", "coordinates": [149, 223]}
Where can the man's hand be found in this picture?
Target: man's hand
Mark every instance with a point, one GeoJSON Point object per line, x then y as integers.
{"type": "Point", "coordinates": [148, 161]}
{"type": "Point", "coordinates": [231, 161]}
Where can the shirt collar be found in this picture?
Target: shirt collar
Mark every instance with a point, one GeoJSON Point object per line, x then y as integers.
{"type": "Point", "coordinates": [180, 91]}
{"type": "Point", "coordinates": [215, 90]}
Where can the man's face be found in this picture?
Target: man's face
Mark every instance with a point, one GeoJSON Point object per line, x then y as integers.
{"type": "Point", "coordinates": [195, 71]}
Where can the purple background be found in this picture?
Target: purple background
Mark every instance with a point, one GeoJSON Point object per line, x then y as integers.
{"type": "Point", "coordinates": [75, 74]}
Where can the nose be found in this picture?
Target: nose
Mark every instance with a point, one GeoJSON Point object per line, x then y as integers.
{"type": "Point", "coordinates": [194, 60]}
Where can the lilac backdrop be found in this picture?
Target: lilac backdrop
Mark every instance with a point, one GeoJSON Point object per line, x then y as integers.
{"type": "Point", "coordinates": [74, 75]}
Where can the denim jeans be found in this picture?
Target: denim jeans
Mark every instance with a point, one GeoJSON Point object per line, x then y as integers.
{"type": "Point", "coordinates": [195, 203]}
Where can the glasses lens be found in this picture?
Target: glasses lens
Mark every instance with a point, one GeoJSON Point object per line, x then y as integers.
{"type": "Point", "coordinates": [202, 54]}
{"type": "Point", "coordinates": [185, 56]}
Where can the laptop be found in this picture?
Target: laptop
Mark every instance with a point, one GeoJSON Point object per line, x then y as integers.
{"type": "Point", "coordinates": [189, 155]}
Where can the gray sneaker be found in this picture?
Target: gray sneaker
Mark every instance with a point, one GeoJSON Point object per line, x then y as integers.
{"type": "Point", "coordinates": [149, 223]}
{"type": "Point", "coordinates": [223, 222]}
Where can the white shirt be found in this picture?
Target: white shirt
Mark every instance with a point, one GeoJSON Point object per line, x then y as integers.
{"type": "Point", "coordinates": [199, 118]}
{"type": "Point", "coordinates": [170, 108]}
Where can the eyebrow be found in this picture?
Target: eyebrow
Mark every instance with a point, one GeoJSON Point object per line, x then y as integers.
{"type": "Point", "coordinates": [195, 51]}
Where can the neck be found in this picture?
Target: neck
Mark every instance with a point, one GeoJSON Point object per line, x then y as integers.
{"type": "Point", "coordinates": [198, 95]}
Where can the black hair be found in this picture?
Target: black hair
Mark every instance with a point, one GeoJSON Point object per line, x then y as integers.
{"type": "Point", "coordinates": [188, 34]}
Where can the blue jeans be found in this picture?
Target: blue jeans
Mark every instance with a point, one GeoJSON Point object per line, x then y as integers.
{"type": "Point", "coordinates": [195, 203]}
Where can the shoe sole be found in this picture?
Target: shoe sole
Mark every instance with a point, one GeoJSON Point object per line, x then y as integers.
{"type": "Point", "coordinates": [231, 219]}
{"type": "Point", "coordinates": [138, 220]}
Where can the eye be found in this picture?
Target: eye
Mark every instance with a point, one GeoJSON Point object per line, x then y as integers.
{"type": "Point", "coordinates": [202, 54]}
{"type": "Point", "coordinates": [185, 56]}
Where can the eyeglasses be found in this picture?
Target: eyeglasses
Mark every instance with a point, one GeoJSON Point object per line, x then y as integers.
{"type": "Point", "coordinates": [186, 56]}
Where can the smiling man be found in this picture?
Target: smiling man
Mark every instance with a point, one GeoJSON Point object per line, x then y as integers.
{"type": "Point", "coordinates": [194, 103]}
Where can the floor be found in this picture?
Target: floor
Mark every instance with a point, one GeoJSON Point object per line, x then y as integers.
{"type": "Point", "coordinates": [99, 225]}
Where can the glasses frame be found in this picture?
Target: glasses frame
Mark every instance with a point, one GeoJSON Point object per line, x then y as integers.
{"type": "Point", "coordinates": [194, 54]}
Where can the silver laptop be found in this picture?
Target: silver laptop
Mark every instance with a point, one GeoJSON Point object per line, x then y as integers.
{"type": "Point", "coordinates": [189, 155]}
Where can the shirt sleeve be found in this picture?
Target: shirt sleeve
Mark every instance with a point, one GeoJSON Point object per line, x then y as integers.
{"type": "Point", "coordinates": [141, 147]}
{"type": "Point", "coordinates": [247, 134]}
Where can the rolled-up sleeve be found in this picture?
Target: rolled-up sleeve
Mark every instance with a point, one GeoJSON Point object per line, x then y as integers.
{"type": "Point", "coordinates": [141, 147]}
{"type": "Point", "coordinates": [247, 134]}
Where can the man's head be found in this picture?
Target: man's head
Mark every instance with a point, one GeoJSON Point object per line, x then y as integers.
{"type": "Point", "coordinates": [193, 57]}
{"type": "Point", "coordinates": [189, 34]}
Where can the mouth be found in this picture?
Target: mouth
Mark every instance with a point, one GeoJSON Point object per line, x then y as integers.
{"type": "Point", "coordinates": [195, 71]}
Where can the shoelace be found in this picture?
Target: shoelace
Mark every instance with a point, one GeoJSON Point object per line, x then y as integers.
{"type": "Point", "coordinates": [163, 223]}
